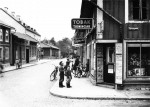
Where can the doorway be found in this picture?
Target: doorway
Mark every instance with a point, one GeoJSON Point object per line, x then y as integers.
{"type": "Point", "coordinates": [27, 55]}
{"type": "Point", "coordinates": [109, 63]}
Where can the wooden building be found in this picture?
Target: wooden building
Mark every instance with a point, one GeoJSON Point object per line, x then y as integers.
{"type": "Point", "coordinates": [49, 51]}
{"type": "Point", "coordinates": [118, 46]}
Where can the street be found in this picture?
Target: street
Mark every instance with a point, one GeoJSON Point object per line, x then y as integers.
{"type": "Point", "coordinates": [29, 87]}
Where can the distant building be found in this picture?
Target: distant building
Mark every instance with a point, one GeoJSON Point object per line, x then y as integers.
{"type": "Point", "coordinates": [49, 51]}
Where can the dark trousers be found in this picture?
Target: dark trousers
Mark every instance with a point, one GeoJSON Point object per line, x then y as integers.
{"type": "Point", "coordinates": [61, 79]}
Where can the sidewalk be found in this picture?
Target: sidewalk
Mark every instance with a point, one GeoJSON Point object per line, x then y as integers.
{"type": "Point", "coordinates": [82, 88]}
{"type": "Point", "coordinates": [11, 68]}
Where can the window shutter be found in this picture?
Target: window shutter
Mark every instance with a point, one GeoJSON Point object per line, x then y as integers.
{"type": "Point", "coordinates": [130, 10]}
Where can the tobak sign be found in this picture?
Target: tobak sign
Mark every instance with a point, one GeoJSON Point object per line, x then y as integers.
{"type": "Point", "coordinates": [82, 23]}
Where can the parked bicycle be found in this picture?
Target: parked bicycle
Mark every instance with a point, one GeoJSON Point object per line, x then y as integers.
{"type": "Point", "coordinates": [54, 73]}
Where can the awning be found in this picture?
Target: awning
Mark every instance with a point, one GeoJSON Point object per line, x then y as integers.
{"type": "Point", "coordinates": [24, 36]}
{"type": "Point", "coordinates": [6, 25]}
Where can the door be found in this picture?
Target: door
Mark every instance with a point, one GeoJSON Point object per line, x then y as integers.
{"type": "Point", "coordinates": [109, 61]}
{"type": "Point", "coordinates": [27, 55]}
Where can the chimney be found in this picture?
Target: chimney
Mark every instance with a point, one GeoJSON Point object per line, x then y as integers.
{"type": "Point", "coordinates": [18, 17]}
{"type": "Point", "coordinates": [6, 9]}
{"type": "Point", "coordinates": [13, 13]}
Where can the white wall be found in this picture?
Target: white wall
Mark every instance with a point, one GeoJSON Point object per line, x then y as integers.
{"type": "Point", "coordinates": [10, 21]}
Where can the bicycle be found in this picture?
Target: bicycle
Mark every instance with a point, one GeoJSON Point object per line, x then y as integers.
{"type": "Point", "coordinates": [54, 74]}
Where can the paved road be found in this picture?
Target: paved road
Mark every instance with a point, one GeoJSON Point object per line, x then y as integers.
{"type": "Point", "coordinates": [29, 87]}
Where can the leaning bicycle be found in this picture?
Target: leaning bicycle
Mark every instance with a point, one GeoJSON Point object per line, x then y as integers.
{"type": "Point", "coordinates": [54, 74]}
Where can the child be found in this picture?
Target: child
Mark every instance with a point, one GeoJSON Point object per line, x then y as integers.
{"type": "Point", "coordinates": [68, 77]}
{"type": "Point", "coordinates": [61, 74]}
{"type": "Point", "coordinates": [1, 70]}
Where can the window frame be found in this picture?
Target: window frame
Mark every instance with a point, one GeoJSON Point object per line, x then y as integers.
{"type": "Point", "coordinates": [1, 35]}
{"type": "Point", "coordinates": [7, 32]}
{"type": "Point", "coordinates": [135, 43]}
{"type": "Point", "coordinates": [140, 8]}
{"type": "Point", "coordinates": [1, 53]}
{"type": "Point", "coordinates": [128, 20]}
{"type": "Point", "coordinates": [8, 53]}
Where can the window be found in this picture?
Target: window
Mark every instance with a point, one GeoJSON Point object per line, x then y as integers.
{"type": "Point", "coordinates": [138, 59]}
{"type": "Point", "coordinates": [6, 52]}
{"type": "Point", "coordinates": [23, 52]}
{"type": "Point", "coordinates": [138, 9]}
{"type": "Point", "coordinates": [110, 55]}
{"type": "Point", "coordinates": [1, 35]}
{"type": "Point", "coordinates": [1, 52]}
{"type": "Point", "coordinates": [7, 36]}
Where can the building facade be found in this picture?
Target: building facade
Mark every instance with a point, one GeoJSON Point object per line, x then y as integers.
{"type": "Point", "coordinates": [49, 51]}
{"type": "Point", "coordinates": [23, 39]}
{"type": "Point", "coordinates": [118, 46]}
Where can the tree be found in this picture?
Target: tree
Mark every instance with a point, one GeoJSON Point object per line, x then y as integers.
{"type": "Point", "coordinates": [65, 46]}
{"type": "Point", "coordinates": [52, 41]}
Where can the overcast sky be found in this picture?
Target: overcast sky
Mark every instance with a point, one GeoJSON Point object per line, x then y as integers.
{"type": "Point", "coordinates": [51, 18]}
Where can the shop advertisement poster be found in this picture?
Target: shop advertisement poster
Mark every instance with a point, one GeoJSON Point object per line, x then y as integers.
{"type": "Point", "coordinates": [99, 69]}
{"type": "Point", "coordinates": [119, 63]}
{"type": "Point", "coordinates": [119, 69]}
{"type": "Point", "coordinates": [118, 48]}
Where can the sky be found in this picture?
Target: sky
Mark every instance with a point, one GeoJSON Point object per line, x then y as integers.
{"type": "Point", "coordinates": [50, 18]}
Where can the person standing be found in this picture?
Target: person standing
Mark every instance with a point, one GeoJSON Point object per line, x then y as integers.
{"type": "Point", "coordinates": [68, 77]}
{"type": "Point", "coordinates": [75, 65]}
{"type": "Point", "coordinates": [61, 74]}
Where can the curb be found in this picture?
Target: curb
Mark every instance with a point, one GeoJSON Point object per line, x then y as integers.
{"type": "Point", "coordinates": [96, 98]}
{"type": "Point", "coordinates": [24, 67]}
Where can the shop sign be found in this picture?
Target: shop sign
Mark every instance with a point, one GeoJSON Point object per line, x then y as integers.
{"type": "Point", "coordinates": [82, 23]}
{"type": "Point", "coordinates": [79, 38]}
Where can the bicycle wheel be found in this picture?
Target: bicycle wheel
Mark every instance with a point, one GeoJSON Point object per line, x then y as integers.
{"type": "Point", "coordinates": [52, 76]}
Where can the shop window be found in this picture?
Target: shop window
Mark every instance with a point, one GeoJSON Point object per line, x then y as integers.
{"type": "Point", "coordinates": [6, 52]}
{"type": "Point", "coordinates": [110, 55]}
{"type": "Point", "coordinates": [1, 35]}
{"type": "Point", "coordinates": [1, 52]}
{"type": "Point", "coordinates": [7, 36]}
{"type": "Point", "coordinates": [138, 9]}
{"type": "Point", "coordinates": [138, 60]}
{"type": "Point", "coordinates": [23, 52]}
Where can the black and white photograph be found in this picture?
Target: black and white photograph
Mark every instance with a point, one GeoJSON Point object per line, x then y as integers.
{"type": "Point", "coordinates": [74, 53]}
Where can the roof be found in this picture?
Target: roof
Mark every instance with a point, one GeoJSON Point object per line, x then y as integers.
{"type": "Point", "coordinates": [43, 45]}
{"type": "Point", "coordinates": [35, 32]}
{"type": "Point", "coordinates": [24, 36]}
{"type": "Point", "coordinates": [6, 25]}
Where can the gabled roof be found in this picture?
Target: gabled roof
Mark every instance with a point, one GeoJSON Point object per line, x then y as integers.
{"type": "Point", "coordinates": [43, 45]}
{"type": "Point", "coordinates": [6, 25]}
{"type": "Point", "coordinates": [20, 22]}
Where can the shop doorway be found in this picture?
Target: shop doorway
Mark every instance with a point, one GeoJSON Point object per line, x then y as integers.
{"type": "Point", "coordinates": [109, 63]}
{"type": "Point", "coordinates": [27, 55]}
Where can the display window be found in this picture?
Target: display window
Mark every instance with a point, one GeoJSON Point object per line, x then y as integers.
{"type": "Point", "coordinates": [6, 52]}
{"type": "Point", "coordinates": [138, 59]}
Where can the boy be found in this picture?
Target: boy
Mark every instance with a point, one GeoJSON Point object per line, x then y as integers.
{"type": "Point", "coordinates": [68, 77]}
{"type": "Point", "coordinates": [61, 74]}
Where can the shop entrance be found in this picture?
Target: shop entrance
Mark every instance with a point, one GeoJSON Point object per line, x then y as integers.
{"type": "Point", "coordinates": [27, 55]}
{"type": "Point", "coordinates": [106, 63]}
{"type": "Point", "coordinates": [109, 62]}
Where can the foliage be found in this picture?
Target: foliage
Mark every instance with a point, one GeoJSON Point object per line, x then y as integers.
{"type": "Point", "coordinates": [65, 45]}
